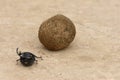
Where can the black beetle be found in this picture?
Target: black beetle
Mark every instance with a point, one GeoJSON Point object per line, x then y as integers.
{"type": "Point", "coordinates": [27, 58]}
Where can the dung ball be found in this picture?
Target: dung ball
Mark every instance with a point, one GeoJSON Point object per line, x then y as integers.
{"type": "Point", "coordinates": [57, 32]}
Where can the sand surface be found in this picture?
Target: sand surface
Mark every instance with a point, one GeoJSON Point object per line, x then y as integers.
{"type": "Point", "coordinates": [93, 55]}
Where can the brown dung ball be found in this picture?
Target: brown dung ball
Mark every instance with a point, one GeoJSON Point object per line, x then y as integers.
{"type": "Point", "coordinates": [57, 32]}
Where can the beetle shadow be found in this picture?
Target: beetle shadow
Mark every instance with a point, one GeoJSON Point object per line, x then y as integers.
{"type": "Point", "coordinates": [23, 66]}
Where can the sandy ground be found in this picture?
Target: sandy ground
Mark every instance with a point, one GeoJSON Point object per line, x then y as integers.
{"type": "Point", "coordinates": [93, 55]}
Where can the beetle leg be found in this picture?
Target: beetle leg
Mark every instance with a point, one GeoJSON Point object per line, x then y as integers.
{"type": "Point", "coordinates": [17, 60]}
{"type": "Point", "coordinates": [36, 61]}
{"type": "Point", "coordinates": [39, 57]}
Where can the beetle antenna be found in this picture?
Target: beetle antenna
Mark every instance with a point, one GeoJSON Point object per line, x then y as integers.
{"type": "Point", "coordinates": [18, 52]}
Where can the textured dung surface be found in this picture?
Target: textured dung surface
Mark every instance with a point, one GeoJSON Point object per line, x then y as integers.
{"type": "Point", "coordinates": [57, 32]}
{"type": "Point", "coordinates": [94, 54]}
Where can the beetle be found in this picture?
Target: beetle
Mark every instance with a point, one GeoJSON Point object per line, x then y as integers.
{"type": "Point", "coordinates": [26, 58]}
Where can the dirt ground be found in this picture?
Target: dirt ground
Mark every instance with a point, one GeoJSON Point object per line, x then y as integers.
{"type": "Point", "coordinates": [93, 55]}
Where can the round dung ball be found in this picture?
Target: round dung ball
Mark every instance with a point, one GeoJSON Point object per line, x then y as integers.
{"type": "Point", "coordinates": [57, 32]}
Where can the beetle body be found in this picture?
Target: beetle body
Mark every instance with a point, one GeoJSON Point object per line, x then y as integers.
{"type": "Point", "coordinates": [27, 58]}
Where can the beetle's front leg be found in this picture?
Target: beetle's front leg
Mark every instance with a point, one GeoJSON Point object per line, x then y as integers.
{"type": "Point", "coordinates": [17, 60]}
{"type": "Point", "coordinates": [36, 61]}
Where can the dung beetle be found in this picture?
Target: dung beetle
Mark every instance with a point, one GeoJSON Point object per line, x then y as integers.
{"type": "Point", "coordinates": [26, 58]}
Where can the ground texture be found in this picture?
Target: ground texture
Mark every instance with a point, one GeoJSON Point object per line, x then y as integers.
{"type": "Point", "coordinates": [93, 55]}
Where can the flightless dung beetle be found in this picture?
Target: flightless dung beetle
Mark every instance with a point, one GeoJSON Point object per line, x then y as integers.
{"type": "Point", "coordinates": [26, 58]}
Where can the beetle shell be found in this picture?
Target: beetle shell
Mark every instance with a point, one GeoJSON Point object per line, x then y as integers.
{"type": "Point", "coordinates": [27, 58]}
